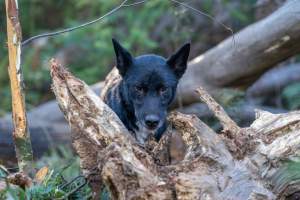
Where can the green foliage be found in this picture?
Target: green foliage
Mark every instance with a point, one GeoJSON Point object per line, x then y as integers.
{"type": "Point", "coordinates": [14, 193]}
{"type": "Point", "coordinates": [242, 14]}
{"type": "Point", "coordinates": [63, 180]}
{"type": "Point", "coordinates": [88, 51]}
{"type": "Point", "coordinates": [48, 189]}
{"type": "Point", "coordinates": [291, 96]}
{"type": "Point", "coordinates": [91, 55]}
{"type": "Point", "coordinates": [56, 187]}
{"type": "Point", "coordinates": [208, 6]}
{"type": "Point", "coordinates": [230, 97]}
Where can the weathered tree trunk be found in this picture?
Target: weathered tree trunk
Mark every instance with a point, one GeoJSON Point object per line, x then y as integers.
{"type": "Point", "coordinates": [20, 133]}
{"type": "Point", "coordinates": [241, 163]}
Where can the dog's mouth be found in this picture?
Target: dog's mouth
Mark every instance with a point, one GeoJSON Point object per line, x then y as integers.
{"type": "Point", "coordinates": [144, 132]}
{"type": "Point", "coordinates": [150, 129]}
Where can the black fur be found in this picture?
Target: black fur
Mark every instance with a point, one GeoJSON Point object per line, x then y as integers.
{"type": "Point", "coordinates": [147, 88]}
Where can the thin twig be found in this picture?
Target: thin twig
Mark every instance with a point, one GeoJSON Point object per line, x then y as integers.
{"type": "Point", "coordinates": [206, 15]}
{"type": "Point", "coordinates": [75, 27]}
{"type": "Point", "coordinates": [135, 3]}
{"type": "Point", "coordinates": [203, 13]}
{"type": "Point", "coordinates": [124, 4]}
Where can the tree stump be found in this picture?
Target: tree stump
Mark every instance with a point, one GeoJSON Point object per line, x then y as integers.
{"type": "Point", "coordinates": [239, 163]}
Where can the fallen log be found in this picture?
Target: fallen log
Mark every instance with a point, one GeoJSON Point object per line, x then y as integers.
{"type": "Point", "coordinates": [241, 59]}
{"type": "Point", "coordinates": [273, 81]}
{"type": "Point", "coordinates": [241, 163]}
{"type": "Point", "coordinates": [44, 136]}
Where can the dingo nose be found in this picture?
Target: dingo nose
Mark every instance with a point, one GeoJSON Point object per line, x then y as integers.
{"type": "Point", "coordinates": [152, 121]}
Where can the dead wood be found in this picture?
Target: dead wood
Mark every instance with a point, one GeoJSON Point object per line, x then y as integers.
{"type": "Point", "coordinates": [243, 114]}
{"type": "Point", "coordinates": [209, 169]}
{"type": "Point", "coordinates": [20, 132]}
{"type": "Point", "coordinates": [273, 81]}
{"type": "Point", "coordinates": [228, 124]}
{"type": "Point", "coordinates": [19, 179]}
{"type": "Point", "coordinates": [238, 140]}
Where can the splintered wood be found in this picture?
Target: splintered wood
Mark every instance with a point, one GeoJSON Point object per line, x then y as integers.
{"type": "Point", "coordinates": [21, 133]}
{"type": "Point", "coordinates": [209, 169]}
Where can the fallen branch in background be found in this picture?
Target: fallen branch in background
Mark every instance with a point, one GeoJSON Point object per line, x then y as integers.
{"type": "Point", "coordinates": [47, 131]}
{"type": "Point", "coordinates": [273, 81]}
{"type": "Point", "coordinates": [243, 114]}
{"type": "Point", "coordinates": [240, 64]}
{"type": "Point", "coordinates": [209, 170]}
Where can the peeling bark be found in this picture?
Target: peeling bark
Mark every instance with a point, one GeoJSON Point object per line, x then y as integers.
{"type": "Point", "coordinates": [20, 133]}
{"type": "Point", "coordinates": [209, 169]}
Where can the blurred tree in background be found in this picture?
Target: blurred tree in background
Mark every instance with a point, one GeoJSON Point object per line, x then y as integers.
{"type": "Point", "coordinates": [155, 26]}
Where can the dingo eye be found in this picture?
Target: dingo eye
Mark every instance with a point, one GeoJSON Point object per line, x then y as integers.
{"type": "Point", "coordinates": [163, 89]}
{"type": "Point", "coordinates": [139, 89]}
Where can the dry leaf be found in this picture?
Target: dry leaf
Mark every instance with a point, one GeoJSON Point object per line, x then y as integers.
{"type": "Point", "coordinates": [41, 174]}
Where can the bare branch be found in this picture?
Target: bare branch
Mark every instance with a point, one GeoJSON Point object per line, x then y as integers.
{"type": "Point", "coordinates": [205, 14]}
{"type": "Point", "coordinates": [21, 133]}
{"type": "Point", "coordinates": [227, 123]}
{"type": "Point", "coordinates": [123, 4]}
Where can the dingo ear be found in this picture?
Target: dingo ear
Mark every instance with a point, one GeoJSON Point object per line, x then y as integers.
{"type": "Point", "coordinates": [124, 58]}
{"type": "Point", "coordinates": [178, 61]}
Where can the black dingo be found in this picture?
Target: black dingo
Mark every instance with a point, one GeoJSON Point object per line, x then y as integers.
{"type": "Point", "coordinates": [147, 88]}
